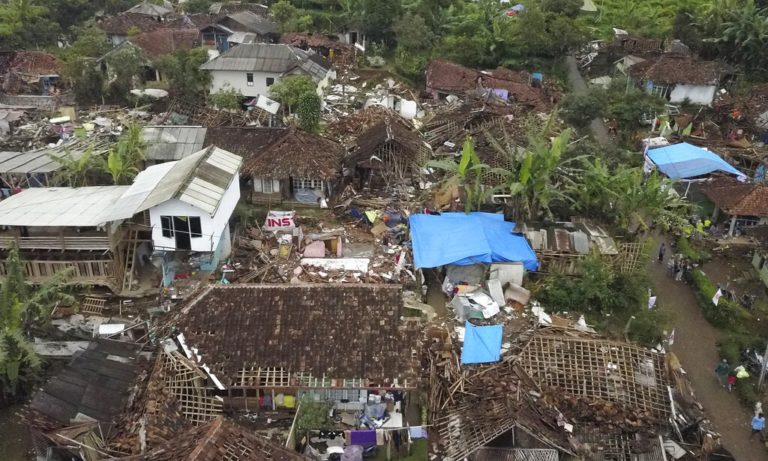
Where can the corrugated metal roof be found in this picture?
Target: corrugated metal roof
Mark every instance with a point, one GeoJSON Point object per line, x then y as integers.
{"type": "Point", "coordinates": [199, 180]}
{"type": "Point", "coordinates": [172, 142]}
{"type": "Point", "coordinates": [267, 57]}
{"type": "Point", "coordinates": [242, 37]}
{"type": "Point", "coordinates": [41, 161]}
{"type": "Point", "coordinates": [60, 206]}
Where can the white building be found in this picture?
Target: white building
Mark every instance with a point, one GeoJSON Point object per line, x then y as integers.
{"type": "Point", "coordinates": [189, 201]}
{"type": "Point", "coordinates": [253, 68]}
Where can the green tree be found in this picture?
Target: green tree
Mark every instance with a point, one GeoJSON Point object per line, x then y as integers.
{"type": "Point", "coordinates": [183, 73]}
{"type": "Point", "coordinates": [91, 42]}
{"type": "Point", "coordinates": [86, 79]}
{"type": "Point", "coordinates": [25, 24]}
{"type": "Point", "coordinates": [124, 161]}
{"type": "Point", "coordinates": [75, 170]}
{"type": "Point", "coordinates": [412, 33]}
{"type": "Point", "coordinates": [309, 111]}
{"type": "Point", "coordinates": [569, 8]}
{"type": "Point", "coordinates": [378, 16]}
{"type": "Point", "coordinates": [579, 109]}
{"type": "Point", "coordinates": [23, 308]}
{"type": "Point", "coordinates": [124, 68]}
{"type": "Point", "coordinates": [227, 98]}
{"type": "Point", "coordinates": [467, 176]}
{"type": "Point", "coordinates": [537, 181]}
{"type": "Point", "coordinates": [743, 37]}
{"type": "Point", "coordinates": [289, 90]}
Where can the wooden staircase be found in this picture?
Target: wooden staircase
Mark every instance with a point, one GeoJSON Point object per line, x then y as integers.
{"type": "Point", "coordinates": [130, 256]}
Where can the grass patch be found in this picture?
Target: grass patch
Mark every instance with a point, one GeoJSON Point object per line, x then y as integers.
{"type": "Point", "coordinates": [690, 251]}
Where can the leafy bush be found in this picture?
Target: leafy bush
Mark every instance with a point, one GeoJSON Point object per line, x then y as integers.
{"type": "Point", "coordinates": [310, 112]}
{"type": "Point", "coordinates": [727, 314]}
{"type": "Point", "coordinates": [580, 109]}
{"type": "Point", "coordinates": [648, 326]}
{"type": "Point", "coordinates": [684, 247]}
{"type": "Point", "coordinates": [746, 392]}
{"type": "Point", "coordinates": [227, 98]}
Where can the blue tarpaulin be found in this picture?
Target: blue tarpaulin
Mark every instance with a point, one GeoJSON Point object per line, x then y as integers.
{"type": "Point", "coordinates": [683, 160]}
{"type": "Point", "coordinates": [463, 239]}
{"type": "Point", "coordinates": [481, 344]}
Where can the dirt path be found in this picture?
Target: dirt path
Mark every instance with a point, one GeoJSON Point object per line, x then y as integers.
{"type": "Point", "coordinates": [576, 80]}
{"type": "Point", "coordinates": [695, 346]}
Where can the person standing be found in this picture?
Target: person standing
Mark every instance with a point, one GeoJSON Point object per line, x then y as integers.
{"type": "Point", "coordinates": [758, 424]}
{"type": "Point", "coordinates": [722, 372]}
{"type": "Point", "coordinates": [662, 250]}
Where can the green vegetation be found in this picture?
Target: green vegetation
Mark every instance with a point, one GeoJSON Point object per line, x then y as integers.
{"type": "Point", "coordinates": [727, 314]}
{"type": "Point", "coordinates": [227, 98]}
{"type": "Point", "coordinates": [685, 247]}
{"type": "Point", "coordinates": [183, 74]}
{"type": "Point", "coordinates": [125, 159]}
{"type": "Point", "coordinates": [309, 111]}
{"type": "Point", "coordinates": [289, 90]}
{"type": "Point", "coordinates": [23, 309]}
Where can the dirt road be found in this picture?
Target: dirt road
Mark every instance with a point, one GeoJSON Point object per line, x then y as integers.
{"type": "Point", "coordinates": [576, 80]}
{"type": "Point", "coordinates": [695, 346]}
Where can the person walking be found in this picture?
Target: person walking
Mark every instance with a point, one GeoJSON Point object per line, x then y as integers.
{"type": "Point", "coordinates": [758, 424]}
{"type": "Point", "coordinates": [722, 370]}
{"type": "Point", "coordinates": [662, 250]}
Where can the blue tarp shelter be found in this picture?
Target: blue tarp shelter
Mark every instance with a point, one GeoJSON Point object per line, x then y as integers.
{"type": "Point", "coordinates": [683, 160]}
{"type": "Point", "coordinates": [463, 239]}
{"type": "Point", "coordinates": [481, 344]}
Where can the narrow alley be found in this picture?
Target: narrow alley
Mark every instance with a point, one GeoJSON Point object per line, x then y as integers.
{"type": "Point", "coordinates": [696, 347]}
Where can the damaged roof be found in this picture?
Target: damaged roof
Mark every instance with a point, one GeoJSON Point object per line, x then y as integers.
{"type": "Point", "coordinates": [245, 141]}
{"type": "Point", "coordinates": [738, 198]}
{"type": "Point", "coordinates": [96, 384]}
{"type": "Point", "coordinates": [200, 180]}
{"type": "Point", "coordinates": [297, 154]}
{"type": "Point", "coordinates": [679, 69]}
{"type": "Point", "coordinates": [248, 21]}
{"type": "Point", "coordinates": [149, 9]}
{"type": "Point", "coordinates": [172, 142]}
{"type": "Point", "coordinates": [268, 57]}
{"type": "Point", "coordinates": [160, 42]}
{"type": "Point", "coordinates": [449, 77]}
{"type": "Point", "coordinates": [304, 40]}
{"type": "Point", "coordinates": [122, 23]}
{"type": "Point", "coordinates": [35, 63]}
{"type": "Point", "coordinates": [390, 129]}
{"type": "Point", "coordinates": [221, 439]}
{"type": "Point", "coordinates": [339, 331]}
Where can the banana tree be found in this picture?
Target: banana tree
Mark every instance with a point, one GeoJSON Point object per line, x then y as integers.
{"type": "Point", "coordinates": [74, 171]}
{"type": "Point", "coordinates": [467, 176]}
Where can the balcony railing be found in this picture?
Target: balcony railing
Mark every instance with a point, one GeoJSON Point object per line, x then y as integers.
{"type": "Point", "coordinates": [56, 242]}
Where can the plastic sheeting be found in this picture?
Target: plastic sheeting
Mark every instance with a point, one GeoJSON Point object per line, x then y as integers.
{"type": "Point", "coordinates": [463, 239]}
{"type": "Point", "coordinates": [684, 160]}
{"type": "Point", "coordinates": [481, 344]}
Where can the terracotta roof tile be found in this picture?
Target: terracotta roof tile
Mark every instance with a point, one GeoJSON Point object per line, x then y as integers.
{"type": "Point", "coordinates": [337, 331]}
{"type": "Point", "coordinates": [35, 63]}
{"type": "Point", "coordinates": [677, 68]}
{"type": "Point", "coordinates": [297, 154]}
{"type": "Point", "coordinates": [221, 439]}
{"type": "Point", "coordinates": [246, 142]}
{"type": "Point", "coordinates": [450, 77]}
{"type": "Point", "coordinates": [736, 198]}
{"type": "Point", "coordinates": [122, 23]}
{"type": "Point", "coordinates": [165, 41]}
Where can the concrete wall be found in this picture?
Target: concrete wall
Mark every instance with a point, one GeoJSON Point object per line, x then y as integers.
{"type": "Point", "coordinates": [697, 94]}
{"type": "Point", "coordinates": [238, 80]}
{"type": "Point", "coordinates": [41, 102]}
{"type": "Point", "coordinates": [213, 227]}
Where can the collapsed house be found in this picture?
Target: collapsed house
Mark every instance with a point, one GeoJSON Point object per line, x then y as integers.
{"type": "Point", "coordinates": [680, 78]}
{"type": "Point", "coordinates": [562, 246]}
{"type": "Point", "coordinates": [581, 396]}
{"type": "Point", "coordinates": [30, 78]}
{"type": "Point", "coordinates": [260, 350]}
{"type": "Point", "coordinates": [386, 155]}
{"type": "Point", "coordinates": [446, 78]}
{"type": "Point", "coordinates": [299, 166]}
{"type": "Point", "coordinates": [119, 27]}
